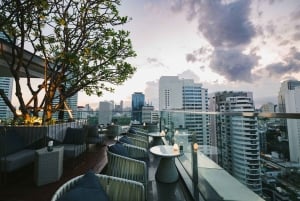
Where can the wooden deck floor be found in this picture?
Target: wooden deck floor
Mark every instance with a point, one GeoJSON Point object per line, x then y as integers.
{"type": "Point", "coordinates": [20, 185]}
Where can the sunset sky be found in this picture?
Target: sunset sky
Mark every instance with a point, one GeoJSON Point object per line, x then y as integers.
{"type": "Point", "coordinates": [225, 45]}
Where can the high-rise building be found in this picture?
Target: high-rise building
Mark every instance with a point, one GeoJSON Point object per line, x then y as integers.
{"type": "Point", "coordinates": [185, 94]}
{"type": "Point", "coordinates": [289, 102]}
{"type": "Point", "coordinates": [137, 103]}
{"type": "Point", "coordinates": [6, 84]}
{"type": "Point", "coordinates": [119, 108]}
{"type": "Point", "coordinates": [268, 107]}
{"type": "Point", "coordinates": [70, 107]}
{"type": "Point", "coordinates": [149, 115]}
{"type": "Point", "coordinates": [105, 112]}
{"type": "Point", "coordinates": [237, 137]}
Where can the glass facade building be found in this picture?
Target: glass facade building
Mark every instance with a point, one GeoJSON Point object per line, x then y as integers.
{"type": "Point", "coordinates": [137, 103]}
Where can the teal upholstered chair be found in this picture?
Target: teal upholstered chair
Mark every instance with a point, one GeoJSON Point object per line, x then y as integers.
{"type": "Point", "coordinates": [116, 188]}
{"type": "Point", "coordinates": [127, 168]}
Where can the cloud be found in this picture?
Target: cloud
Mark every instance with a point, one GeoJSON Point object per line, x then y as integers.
{"type": "Point", "coordinates": [296, 36]}
{"type": "Point", "coordinates": [191, 58]}
{"type": "Point", "coordinates": [151, 93]}
{"type": "Point", "coordinates": [155, 62]}
{"type": "Point", "coordinates": [281, 68]}
{"type": "Point", "coordinates": [233, 65]}
{"type": "Point", "coordinates": [286, 68]}
{"type": "Point", "coordinates": [270, 28]}
{"type": "Point", "coordinates": [192, 6]}
{"type": "Point", "coordinates": [284, 42]}
{"type": "Point", "coordinates": [294, 54]}
{"type": "Point", "coordinates": [188, 74]}
{"type": "Point", "coordinates": [222, 24]}
{"type": "Point", "coordinates": [296, 14]}
{"type": "Point", "coordinates": [226, 25]}
{"type": "Point", "coordinates": [198, 55]}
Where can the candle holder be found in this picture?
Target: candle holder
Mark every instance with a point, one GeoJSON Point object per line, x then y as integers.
{"type": "Point", "coordinates": [50, 146]}
{"type": "Point", "coordinates": [181, 147]}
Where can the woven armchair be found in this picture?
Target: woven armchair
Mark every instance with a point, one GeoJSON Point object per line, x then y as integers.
{"type": "Point", "coordinates": [139, 142]}
{"type": "Point", "coordinates": [127, 168]}
{"type": "Point", "coordinates": [136, 152]}
{"type": "Point", "coordinates": [116, 188]}
{"type": "Point", "coordinates": [138, 136]}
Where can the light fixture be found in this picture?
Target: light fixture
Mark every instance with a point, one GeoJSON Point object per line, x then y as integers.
{"type": "Point", "coordinates": [175, 147]}
{"type": "Point", "coordinates": [18, 112]}
{"type": "Point", "coordinates": [195, 146]}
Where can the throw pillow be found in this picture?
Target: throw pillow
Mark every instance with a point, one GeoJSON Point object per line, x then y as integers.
{"type": "Point", "coordinates": [87, 189]}
{"type": "Point", "coordinates": [75, 136]}
{"type": "Point", "coordinates": [125, 139]}
{"type": "Point", "coordinates": [131, 130]}
{"type": "Point", "coordinates": [92, 131]}
{"type": "Point", "coordinates": [11, 142]}
{"type": "Point", "coordinates": [119, 149]}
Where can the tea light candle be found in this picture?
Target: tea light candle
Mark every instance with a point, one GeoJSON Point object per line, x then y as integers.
{"type": "Point", "coordinates": [50, 143]}
{"type": "Point", "coordinates": [175, 147]}
{"type": "Point", "coordinates": [195, 146]}
{"type": "Point", "coordinates": [50, 146]}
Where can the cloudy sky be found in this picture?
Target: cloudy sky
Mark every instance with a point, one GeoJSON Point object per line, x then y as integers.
{"type": "Point", "coordinates": [248, 45]}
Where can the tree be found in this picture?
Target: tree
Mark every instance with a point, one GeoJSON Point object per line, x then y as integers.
{"type": "Point", "coordinates": [80, 43]}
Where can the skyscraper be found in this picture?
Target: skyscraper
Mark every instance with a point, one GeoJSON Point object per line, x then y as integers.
{"type": "Point", "coordinates": [137, 103]}
{"type": "Point", "coordinates": [71, 103]}
{"type": "Point", "coordinates": [184, 94]}
{"type": "Point", "coordinates": [289, 102]}
{"type": "Point", "coordinates": [237, 137]}
{"type": "Point", "coordinates": [105, 113]}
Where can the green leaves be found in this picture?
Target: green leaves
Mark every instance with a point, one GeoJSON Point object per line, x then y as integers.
{"type": "Point", "coordinates": [81, 40]}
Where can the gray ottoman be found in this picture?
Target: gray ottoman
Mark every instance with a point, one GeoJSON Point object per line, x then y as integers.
{"type": "Point", "coordinates": [48, 165]}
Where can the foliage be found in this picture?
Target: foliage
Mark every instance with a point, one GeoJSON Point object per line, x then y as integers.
{"type": "Point", "coordinates": [80, 43]}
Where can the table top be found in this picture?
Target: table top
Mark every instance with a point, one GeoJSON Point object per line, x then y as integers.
{"type": "Point", "coordinates": [164, 151]}
{"type": "Point", "coordinates": [45, 151]}
{"type": "Point", "coordinates": [155, 134]}
{"type": "Point", "coordinates": [183, 134]}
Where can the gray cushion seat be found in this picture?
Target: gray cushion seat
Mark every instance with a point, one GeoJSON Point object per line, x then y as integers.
{"type": "Point", "coordinates": [93, 137]}
{"type": "Point", "coordinates": [13, 152]}
{"type": "Point", "coordinates": [74, 142]}
{"type": "Point", "coordinates": [73, 150]}
{"type": "Point", "coordinates": [17, 160]}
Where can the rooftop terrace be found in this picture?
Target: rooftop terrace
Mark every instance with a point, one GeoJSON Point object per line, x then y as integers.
{"type": "Point", "coordinates": [199, 177]}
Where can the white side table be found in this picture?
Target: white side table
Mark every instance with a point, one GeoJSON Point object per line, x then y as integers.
{"type": "Point", "coordinates": [166, 171]}
{"type": "Point", "coordinates": [48, 165]}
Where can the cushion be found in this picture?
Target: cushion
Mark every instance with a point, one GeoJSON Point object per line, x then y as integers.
{"type": "Point", "coordinates": [92, 131]}
{"type": "Point", "coordinates": [13, 142]}
{"type": "Point", "coordinates": [87, 189]}
{"type": "Point", "coordinates": [119, 149]}
{"type": "Point", "coordinates": [125, 139]}
{"type": "Point", "coordinates": [16, 160]}
{"type": "Point", "coordinates": [72, 150]}
{"type": "Point", "coordinates": [74, 136]}
{"type": "Point", "coordinates": [131, 130]}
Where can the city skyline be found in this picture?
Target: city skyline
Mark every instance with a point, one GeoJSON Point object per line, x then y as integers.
{"type": "Point", "coordinates": [228, 45]}
{"type": "Point", "coordinates": [225, 45]}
